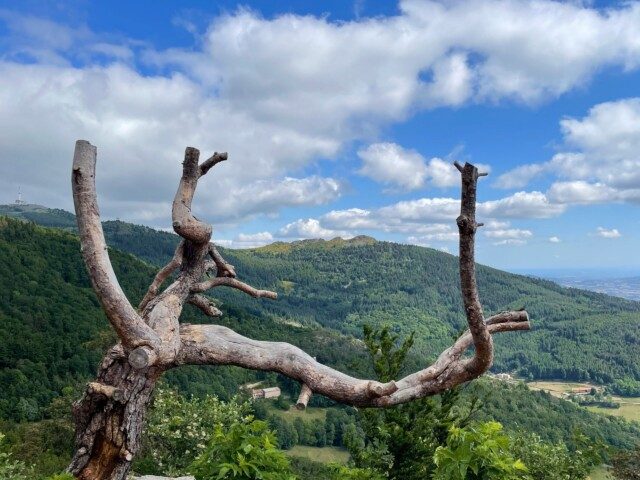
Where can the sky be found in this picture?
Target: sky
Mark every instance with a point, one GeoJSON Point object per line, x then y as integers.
{"type": "Point", "coordinates": [339, 118]}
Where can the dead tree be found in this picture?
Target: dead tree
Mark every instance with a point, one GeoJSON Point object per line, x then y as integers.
{"type": "Point", "coordinates": [110, 415]}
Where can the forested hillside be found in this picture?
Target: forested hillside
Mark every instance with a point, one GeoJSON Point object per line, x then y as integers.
{"type": "Point", "coordinates": [53, 331]}
{"type": "Point", "coordinates": [577, 335]}
{"type": "Point", "coordinates": [344, 284]}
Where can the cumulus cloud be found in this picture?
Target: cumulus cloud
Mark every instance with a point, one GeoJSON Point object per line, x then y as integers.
{"type": "Point", "coordinates": [389, 163]}
{"type": "Point", "coordinates": [522, 205]}
{"type": "Point", "coordinates": [510, 233]}
{"type": "Point", "coordinates": [608, 233]}
{"type": "Point", "coordinates": [554, 239]}
{"type": "Point", "coordinates": [310, 228]}
{"type": "Point", "coordinates": [280, 93]}
{"type": "Point", "coordinates": [604, 165]}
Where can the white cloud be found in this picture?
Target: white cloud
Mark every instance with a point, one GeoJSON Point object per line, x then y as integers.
{"type": "Point", "coordinates": [509, 233]}
{"type": "Point", "coordinates": [389, 163]}
{"type": "Point", "coordinates": [604, 165]}
{"type": "Point", "coordinates": [519, 176]}
{"type": "Point", "coordinates": [267, 196]}
{"type": "Point", "coordinates": [310, 228]}
{"type": "Point", "coordinates": [511, 241]}
{"type": "Point", "coordinates": [521, 205]}
{"type": "Point", "coordinates": [279, 93]}
{"type": "Point", "coordinates": [554, 239]}
{"type": "Point", "coordinates": [246, 240]}
{"type": "Point", "coordinates": [606, 233]}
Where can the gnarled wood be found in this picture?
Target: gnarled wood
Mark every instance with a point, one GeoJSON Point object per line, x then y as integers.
{"type": "Point", "coordinates": [110, 415]}
{"type": "Point", "coordinates": [218, 345]}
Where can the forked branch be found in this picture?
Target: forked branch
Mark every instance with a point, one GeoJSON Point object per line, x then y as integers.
{"type": "Point", "coordinates": [217, 345]}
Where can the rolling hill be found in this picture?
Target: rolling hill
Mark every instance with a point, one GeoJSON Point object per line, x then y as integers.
{"type": "Point", "coordinates": [53, 331]}
{"type": "Point", "coordinates": [342, 284]}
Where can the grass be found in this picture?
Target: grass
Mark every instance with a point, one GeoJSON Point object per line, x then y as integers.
{"type": "Point", "coordinates": [307, 414]}
{"type": "Point", "coordinates": [629, 406]}
{"type": "Point", "coordinates": [320, 454]}
{"type": "Point", "coordinates": [599, 473]}
{"type": "Point", "coordinates": [557, 388]}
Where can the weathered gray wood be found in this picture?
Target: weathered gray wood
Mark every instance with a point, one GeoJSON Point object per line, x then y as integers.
{"type": "Point", "coordinates": [129, 326]}
{"type": "Point", "coordinates": [110, 416]}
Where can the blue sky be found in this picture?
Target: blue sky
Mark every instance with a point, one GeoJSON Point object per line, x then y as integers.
{"type": "Point", "coordinates": [339, 118]}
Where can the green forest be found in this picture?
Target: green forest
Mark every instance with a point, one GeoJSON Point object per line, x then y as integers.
{"type": "Point", "coordinates": [53, 333]}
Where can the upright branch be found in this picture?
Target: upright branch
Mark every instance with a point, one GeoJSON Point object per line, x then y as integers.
{"type": "Point", "coordinates": [467, 227]}
{"type": "Point", "coordinates": [130, 327]}
{"type": "Point", "coordinates": [184, 223]}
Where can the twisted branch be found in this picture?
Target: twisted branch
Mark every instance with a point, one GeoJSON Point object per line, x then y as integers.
{"type": "Point", "coordinates": [160, 338]}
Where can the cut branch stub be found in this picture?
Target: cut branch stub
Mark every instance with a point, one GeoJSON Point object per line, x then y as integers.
{"type": "Point", "coordinates": [303, 398]}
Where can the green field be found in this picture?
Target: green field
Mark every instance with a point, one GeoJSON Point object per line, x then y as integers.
{"type": "Point", "coordinates": [629, 406]}
{"type": "Point", "coordinates": [308, 414]}
{"type": "Point", "coordinates": [322, 455]}
{"type": "Point", "coordinates": [600, 474]}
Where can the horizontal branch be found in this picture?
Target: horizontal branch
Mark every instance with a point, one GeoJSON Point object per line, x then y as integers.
{"type": "Point", "coordinates": [233, 283]}
{"type": "Point", "coordinates": [130, 327]}
{"type": "Point", "coordinates": [218, 345]}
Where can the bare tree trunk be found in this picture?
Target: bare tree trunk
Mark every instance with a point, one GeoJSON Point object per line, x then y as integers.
{"type": "Point", "coordinates": [110, 416]}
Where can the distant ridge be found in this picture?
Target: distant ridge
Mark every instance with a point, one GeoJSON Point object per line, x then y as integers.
{"type": "Point", "coordinates": [337, 242]}
{"type": "Point", "coordinates": [47, 217]}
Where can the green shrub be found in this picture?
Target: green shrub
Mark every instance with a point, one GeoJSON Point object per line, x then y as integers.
{"type": "Point", "coordinates": [478, 452]}
{"type": "Point", "coordinates": [178, 429]}
{"type": "Point", "coordinates": [247, 451]}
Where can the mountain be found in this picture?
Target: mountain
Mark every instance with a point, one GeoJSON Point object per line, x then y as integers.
{"type": "Point", "coordinates": [47, 217]}
{"type": "Point", "coordinates": [53, 331]}
{"type": "Point", "coordinates": [342, 284]}
{"type": "Point", "coordinates": [576, 334]}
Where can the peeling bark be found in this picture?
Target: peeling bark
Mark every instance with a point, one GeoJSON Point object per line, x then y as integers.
{"type": "Point", "coordinates": [110, 415]}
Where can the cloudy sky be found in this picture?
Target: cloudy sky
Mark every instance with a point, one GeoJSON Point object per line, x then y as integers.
{"type": "Point", "coordinates": [340, 118]}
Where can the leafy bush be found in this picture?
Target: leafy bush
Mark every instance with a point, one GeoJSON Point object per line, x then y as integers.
{"type": "Point", "coordinates": [178, 429]}
{"type": "Point", "coordinates": [477, 453]}
{"type": "Point", "coordinates": [247, 451]}
{"type": "Point", "coordinates": [554, 461]}
{"type": "Point", "coordinates": [12, 469]}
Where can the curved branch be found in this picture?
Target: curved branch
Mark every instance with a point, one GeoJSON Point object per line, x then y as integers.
{"type": "Point", "coordinates": [130, 327]}
{"type": "Point", "coordinates": [233, 283]}
{"type": "Point", "coordinates": [184, 223]}
{"type": "Point", "coordinates": [214, 344]}
{"type": "Point", "coordinates": [162, 275]}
